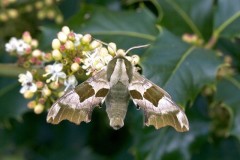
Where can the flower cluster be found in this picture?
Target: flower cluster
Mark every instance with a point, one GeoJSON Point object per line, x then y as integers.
{"type": "Point", "coordinates": [26, 51]}
{"type": "Point", "coordinates": [44, 9]}
{"type": "Point", "coordinates": [51, 74]}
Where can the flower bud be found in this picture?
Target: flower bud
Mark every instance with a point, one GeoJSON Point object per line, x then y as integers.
{"type": "Point", "coordinates": [59, 19]}
{"type": "Point", "coordinates": [26, 37]}
{"type": "Point", "coordinates": [62, 37]}
{"type": "Point", "coordinates": [69, 45]}
{"type": "Point", "coordinates": [49, 2]}
{"type": "Point", "coordinates": [46, 92]}
{"type": "Point", "coordinates": [39, 84]}
{"type": "Point", "coordinates": [3, 17]}
{"type": "Point", "coordinates": [38, 108]}
{"type": "Point", "coordinates": [56, 43]}
{"type": "Point", "coordinates": [28, 8]}
{"type": "Point", "coordinates": [42, 100]}
{"type": "Point", "coordinates": [75, 67]}
{"type": "Point", "coordinates": [71, 36]}
{"type": "Point", "coordinates": [47, 57]}
{"type": "Point", "coordinates": [31, 104]}
{"type": "Point", "coordinates": [94, 44]}
{"type": "Point", "coordinates": [36, 53]}
{"type": "Point", "coordinates": [54, 85]}
{"type": "Point", "coordinates": [28, 50]}
{"type": "Point", "coordinates": [12, 13]}
{"type": "Point", "coordinates": [39, 5]}
{"type": "Point", "coordinates": [34, 43]}
{"type": "Point", "coordinates": [28, 94]}
{"type": "Point", "coordinates": [65, 30]}
{"type": "Point", "coordinates": [41, 14]}
{"type": "Point", "coordinates": [112, 47]}
{"type": "Point", "coordinates": [56, 54]}
{"type": "Point", "coordinates": [86, 39]}
{"type": "Point", "coordinates": [62, 48]}
{"type": "Point", "coordinates": [60, 94]}
{"type": "Point", "coordinates": [77, 60]}
{"type": "Point", "coordinates": [51, 14]}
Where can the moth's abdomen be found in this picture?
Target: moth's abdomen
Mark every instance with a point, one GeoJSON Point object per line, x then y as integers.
{"type": "Point", "coordinates": [116, 105]}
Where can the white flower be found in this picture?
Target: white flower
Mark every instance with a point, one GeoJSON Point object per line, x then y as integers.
{"type": "Point", "coordinates": [56, 71]}
{"type": "Point", "coordinates": [77, 39]}
{"type": "Point", "coordinates": [96, 60]}
{"type": "Point", "coordinates": [18, 46]}
{"type": "Point", "coordinates": [26, 81]}
{"type": "Point", "coordinates": [11, 45]}
{"type": "Point", "coordinates": [70, 82]}
{"type": "Point", "coordinates": [21, 47]}
{"type": "Point", "coordinates": [25, 78]}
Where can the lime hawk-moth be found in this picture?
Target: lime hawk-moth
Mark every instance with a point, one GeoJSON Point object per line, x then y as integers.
{"type": "Point", "coordinates": [115, 85]}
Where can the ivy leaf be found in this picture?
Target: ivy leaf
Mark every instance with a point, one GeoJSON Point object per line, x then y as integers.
{"type": "Point", "coordinates": [166, 143]}
{"type": "Point", "coordinates": [12, 105]}
{"type": "Point", "coordinates": [188, 16]}
{"type": "Point", "coordinates": [123, 27]}
{"type": "Point", "coordinates": [178, 67]}
{"type": "Point", "coordinates": [228, 91]}
{"type": "Point", "coordinates": [227, 18]}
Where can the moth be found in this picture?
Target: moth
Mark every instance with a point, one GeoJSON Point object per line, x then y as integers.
{"type": "Point", "coordinates": [115, 85]}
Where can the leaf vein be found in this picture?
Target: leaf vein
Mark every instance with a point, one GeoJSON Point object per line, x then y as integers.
{"type": "Point", "coordinates": [188, 51]}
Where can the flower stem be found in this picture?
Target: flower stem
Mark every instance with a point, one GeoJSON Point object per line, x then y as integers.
{"type": "Point", "coordinates": [10, 70]}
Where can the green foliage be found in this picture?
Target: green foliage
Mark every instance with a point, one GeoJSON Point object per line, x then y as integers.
{"type": "Point", "coordinates": [201, 77]}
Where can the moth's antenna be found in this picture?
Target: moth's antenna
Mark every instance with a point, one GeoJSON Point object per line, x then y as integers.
{"type": "Point", "coordinates": [101, 41]}
{"type": "Point", "coordinates": [135, 47]}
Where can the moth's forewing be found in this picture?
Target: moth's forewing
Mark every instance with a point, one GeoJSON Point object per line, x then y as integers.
{"type": "Point", "coordinates": [159, 109]}
{"type": "Point", "coordinates": [77, 105]}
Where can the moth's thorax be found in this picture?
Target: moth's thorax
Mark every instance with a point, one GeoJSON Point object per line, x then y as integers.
{"type": "Point", "coordinates": [119, 69]}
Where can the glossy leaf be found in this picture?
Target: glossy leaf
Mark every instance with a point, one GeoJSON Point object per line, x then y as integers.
{"type": "Point", "coordinates": [178, 67]}
{"type": "Point", "coordinates": [122, 27]}
{"type": "Point", "coordinates": [167, 143]}
{"type": "Point", "coordinates": [227, 18]}
{"type": "Point", "coordinates": [187, 16]}
{"type": "Point", "coordinates": [12, 104]}
{"type": "Point", "coordinates": [228, 91]}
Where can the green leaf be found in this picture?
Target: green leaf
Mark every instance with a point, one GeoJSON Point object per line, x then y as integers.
{"type": "Point", "coordinates": [126, 28]}
{"type": "Point", "coordinates": [222, 149]}
{"type": "Point", "coordinates": [12, 104]}
{"type": "Point", "coordinates": [227, 18]}
{"type": "Point", "coordinates": [48, 34]}
{"type": "Point", "coordinates": [178, 67]}
{"type": "Point", "coordinates": [166, 143]}
{"type": "Point", "coordinates": [187, 16]}
{"type": "Point", "coordinates": [228, 91]}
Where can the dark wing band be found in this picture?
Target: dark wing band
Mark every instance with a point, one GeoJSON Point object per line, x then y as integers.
{"type": "Point", "coordinates": [159, 109]}
{"type": "Point", "coordinates": [77, 105]}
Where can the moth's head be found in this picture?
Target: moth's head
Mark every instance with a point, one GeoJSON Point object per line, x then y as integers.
{"type": "Point", "coordinates": [120, 53]}
{"type": "Point", "coordinates": [116, 123]}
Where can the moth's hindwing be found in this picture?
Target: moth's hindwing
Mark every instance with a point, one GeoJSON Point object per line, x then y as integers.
{"type": "Point", "coordinates": [77, 105]}
{"type": "Point", "coordinates": [159, 109]}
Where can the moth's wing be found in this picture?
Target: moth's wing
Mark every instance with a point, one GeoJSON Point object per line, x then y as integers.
{"type": "Point", "coordinates": [77, 105]}
{"type": "Point", "coordinates": [159, 109]}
